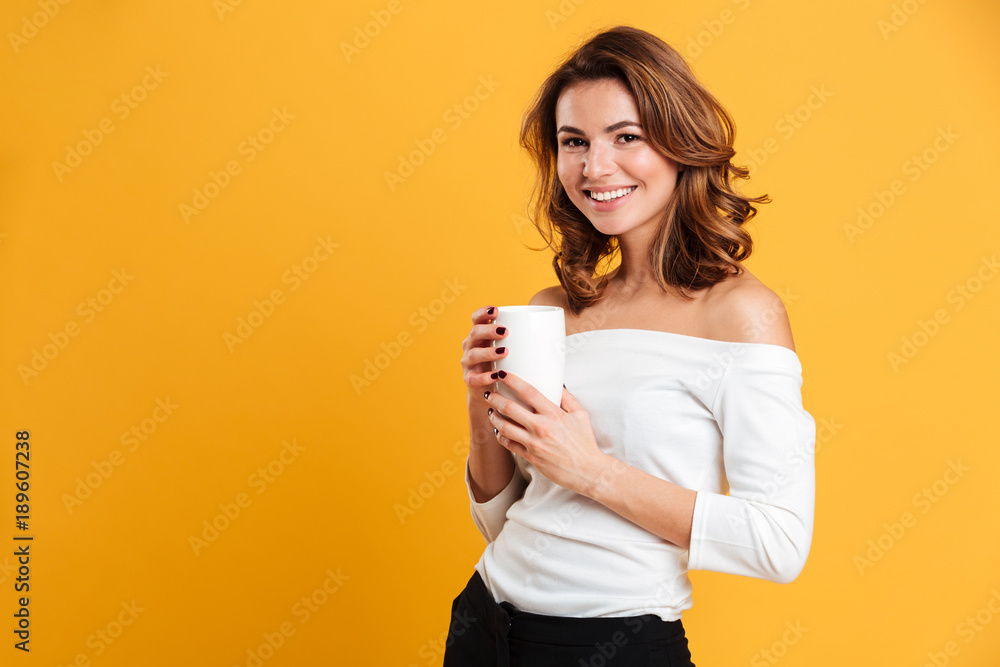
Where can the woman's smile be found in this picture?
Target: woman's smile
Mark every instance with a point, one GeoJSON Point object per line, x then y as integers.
{"type": "Point", "coordinates": [609, 200]}
{"type": "Point", "coordinates": [605, 162]}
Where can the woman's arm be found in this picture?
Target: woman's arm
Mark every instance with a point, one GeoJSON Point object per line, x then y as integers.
{"type": "Point", "coordinates": [491, 465]}
{"type": "Point", "coordinates": [492, 479]}
{"type": "Point", "coordinates": [763, 528]}
{"type": "Point", "coordinates": [661, 507]}
{"type": "Point", "coordinates": [494, 482]}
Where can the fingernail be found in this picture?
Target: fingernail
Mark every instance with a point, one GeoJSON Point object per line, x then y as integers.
{"type": "Point", "coordinates": [502, 374]}
{"type": "Point", "coordinates": [500, 350]}
{"type": "Point", "coordinates": [493, 376]}
{"type": "Point", "coordinates": [486, 395]}
{"type": "Point", "coordinates": [495, 431]}
{"type": "Point", "coordinates": [490, 311]}
{"type": "Point", "coordinates": [564, 385]}
{"type": "Point", "coordinates": [490, 411]}
{"type": "Point", "coordinates": [501, 330]}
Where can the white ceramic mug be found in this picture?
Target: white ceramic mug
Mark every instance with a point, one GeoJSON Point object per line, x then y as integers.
{"type": "Point", "coordinates": [536, 349]}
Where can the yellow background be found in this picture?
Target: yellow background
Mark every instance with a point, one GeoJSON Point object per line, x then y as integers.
{"type": "Point", "coordinates": [410, 264]}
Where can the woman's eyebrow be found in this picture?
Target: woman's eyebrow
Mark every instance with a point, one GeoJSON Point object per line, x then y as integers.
{"type": "Point", "coordinates": [609, 128]}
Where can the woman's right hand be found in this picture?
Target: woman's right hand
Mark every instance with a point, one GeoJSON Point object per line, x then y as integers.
{"type": "Point", "coordinates": [478, 351]}
{"type": "Point", "coordinates": [491, 465]}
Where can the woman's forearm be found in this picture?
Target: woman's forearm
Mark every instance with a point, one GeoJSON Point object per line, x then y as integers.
{"type": "Point", "coordinates": [661, 507]}
{"type": "Point", "coordinates": [491, 465]}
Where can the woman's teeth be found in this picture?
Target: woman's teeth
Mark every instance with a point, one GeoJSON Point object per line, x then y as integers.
{"type": "Point", "coordinates": [613, 194]}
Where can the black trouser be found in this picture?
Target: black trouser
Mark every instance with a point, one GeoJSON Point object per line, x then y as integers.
{"type": "Point", "coordinates": [486, 634]}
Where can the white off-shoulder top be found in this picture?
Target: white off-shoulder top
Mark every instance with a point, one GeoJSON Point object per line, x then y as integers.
{"type": "Point", "coordinates": [713, 416]}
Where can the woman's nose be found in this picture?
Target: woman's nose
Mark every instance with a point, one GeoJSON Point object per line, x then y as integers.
{"type": "Point", "coordinates": [598, 161]}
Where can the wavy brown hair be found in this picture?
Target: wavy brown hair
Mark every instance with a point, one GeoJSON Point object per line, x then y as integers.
{"type": "Point", "coordinates": [701, 236]}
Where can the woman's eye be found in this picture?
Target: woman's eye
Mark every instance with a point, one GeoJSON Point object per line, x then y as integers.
{"type": "Point", "coordinates": [571, 142]}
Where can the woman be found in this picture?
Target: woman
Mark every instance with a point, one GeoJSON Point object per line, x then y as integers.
{"type": "Point", "coordinates": [682, 383]}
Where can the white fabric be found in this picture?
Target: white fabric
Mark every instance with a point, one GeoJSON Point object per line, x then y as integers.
{"type": "Point", "coordinates": [708, 415]}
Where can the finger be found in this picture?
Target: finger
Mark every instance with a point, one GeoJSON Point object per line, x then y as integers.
{"type": "Point", "coordinates": [527, 391]}
{"type": "Point", "coordinates": [483, 332]}
{"type": "Point", "coordinates": [513, 446]}
{"type": "Point", "coordinates": [511, 414]}
{"type": "Point", "coordinates": [481, 355]}
{"type": "Point", "coordinates": [569, 402]}
{"type": "Point", "coordinates": [501, 424]}
{"type": "Point", "coordinates": [484, 314]}
{"type": "Point", "coordinates": [480, 351]}
{"type": "Point", "coordinates": [491, 331]}
{"type": "Point", "coordinates": [485, 335]}
{"type": "Point", "coordinates": [479, 361]}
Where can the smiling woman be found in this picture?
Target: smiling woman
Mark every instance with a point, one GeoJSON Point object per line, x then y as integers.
{"type": "Point", "coordinates": [602, 169]}
{"type": "Point", "coordinates": [627, 112]}
{"type": "Point", "coordinates": [680, 442]}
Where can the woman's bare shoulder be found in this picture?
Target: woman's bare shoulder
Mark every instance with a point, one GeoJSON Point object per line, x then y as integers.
{"type": "Point", "coordinates": [743, 309]}
{"type": "Point", "coordinates": [549, 296]}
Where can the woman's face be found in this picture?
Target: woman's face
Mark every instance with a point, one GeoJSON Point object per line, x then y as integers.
{"type": "Point", "coordinates": [603, 149]}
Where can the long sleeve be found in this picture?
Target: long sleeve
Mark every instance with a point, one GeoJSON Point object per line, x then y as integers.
{"type": "Point", "coordinates": [490, 516]}
{"type": "Point", "coordinates": [763, 528]}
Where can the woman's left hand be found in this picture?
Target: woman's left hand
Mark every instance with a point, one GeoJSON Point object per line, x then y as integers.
{"type": "Point", "coordinates": [557, 439]}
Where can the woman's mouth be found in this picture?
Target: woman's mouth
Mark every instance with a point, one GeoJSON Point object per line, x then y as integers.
{"type": "Point", "coordinates": [610, 200]}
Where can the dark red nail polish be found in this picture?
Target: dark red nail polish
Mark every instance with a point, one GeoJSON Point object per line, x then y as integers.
{"type": "Point", "coordinates": [486, 395]}
{"type": "Point", "coordinates": [493, 376]}
{"type": "Point", "coordinates": [490, 411]}
{"type": "Point", "coordinates": [500, 350]}
{"type": "Point", "coordinates": [501, 330]}
{"type": "Point", "coordinates": [502, 374]}
{"type": "Point", "coordinates": [490, 311]}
